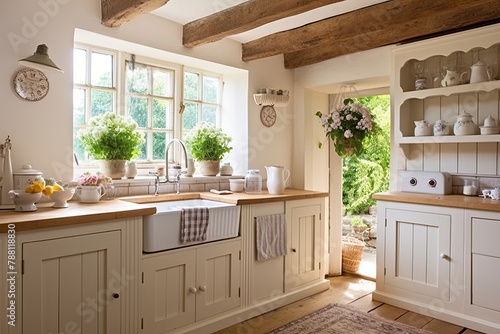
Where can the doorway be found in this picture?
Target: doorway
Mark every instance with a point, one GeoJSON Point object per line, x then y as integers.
{"type": "Point", "coordinates": [363, 175]}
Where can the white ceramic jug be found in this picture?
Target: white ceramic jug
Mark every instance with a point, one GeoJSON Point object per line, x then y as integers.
{"type": "Point", "coordinates": [91, 194]}
{"type": "Point", "coordinates": [276, 179]}
{"type": "Point", "coordinates": [453, 78]}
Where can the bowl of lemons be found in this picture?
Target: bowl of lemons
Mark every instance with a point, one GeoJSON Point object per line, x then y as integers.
{"type": "Point", "coordinates": [24, 201]}
{"type": "Point", "coordinates": [61, 197]}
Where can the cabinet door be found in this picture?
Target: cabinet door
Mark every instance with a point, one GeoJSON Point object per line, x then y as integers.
{"type": "Point", "coordinates": [417, 252]}
{"type": "Point", "coordinates": [169, 291]}
{"type": "Point", "coordinates": [485, 264]}
{"type": "Point", "coordinates": [72, 284]}
{"type": "Point", "coordinates": [303, 262]}
{"type": "Point", "coordinates": [218, 279]}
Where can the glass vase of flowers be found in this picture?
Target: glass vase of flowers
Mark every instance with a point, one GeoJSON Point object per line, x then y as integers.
{"type": "Point", "coordinates": [347, 126]}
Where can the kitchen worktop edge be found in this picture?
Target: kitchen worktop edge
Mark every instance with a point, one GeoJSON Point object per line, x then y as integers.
{"type": "Point", "coordinates": [131, 206]}
{"type": "Point", "coordinates": [454, 201]}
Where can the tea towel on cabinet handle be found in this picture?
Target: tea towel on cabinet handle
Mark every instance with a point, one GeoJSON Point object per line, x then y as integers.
{"type": "Point", "coordinates": [194, 224]}
{"type": "Point", "coordinates": [270, 236]}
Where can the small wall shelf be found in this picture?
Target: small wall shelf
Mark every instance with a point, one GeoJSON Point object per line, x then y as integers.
{"type": "Point", "coordinates": [271, 100]}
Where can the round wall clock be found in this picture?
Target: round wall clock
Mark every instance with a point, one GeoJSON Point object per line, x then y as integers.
{"type": "Point", "coordinates": [31, 84]}
{"type": "Point", "coordinates": [268, 115]}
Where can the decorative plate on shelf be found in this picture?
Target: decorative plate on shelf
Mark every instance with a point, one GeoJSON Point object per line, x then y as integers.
{"type": "Point", "coordinates": [31, 84]}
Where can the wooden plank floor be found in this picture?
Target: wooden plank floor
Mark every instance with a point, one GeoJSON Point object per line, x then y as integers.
{"type": "Point", "coordinates": [351, 290]}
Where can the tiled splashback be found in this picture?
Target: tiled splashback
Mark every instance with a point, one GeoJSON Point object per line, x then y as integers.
{"type": "Point", "coordinates": [484, 183]}
{"type": "Point", "coordinates": [146, 185]}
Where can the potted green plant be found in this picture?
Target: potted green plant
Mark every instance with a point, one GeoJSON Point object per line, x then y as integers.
{"type": "Point", "coordinates": [208, 145]}
{"type": "Point", "coordinates": [112, 140]}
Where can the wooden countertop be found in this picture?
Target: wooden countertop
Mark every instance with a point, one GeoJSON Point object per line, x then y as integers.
{"type": "Point", "coordinates": [126, 207]}
{"type": "Point", "coordinates": [76, 213]}
{"type": "Point", "coordinates": [454, 201]}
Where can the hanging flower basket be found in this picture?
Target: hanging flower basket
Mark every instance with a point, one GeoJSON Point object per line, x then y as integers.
{"type": "Point", "coordinates": [347, 126]}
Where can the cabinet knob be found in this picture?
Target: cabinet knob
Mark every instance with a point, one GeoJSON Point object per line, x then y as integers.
{"type": "Point", "coordinates": [445, 256]}
{"type": "Point", "coordinates": [202, 288]}
{"type": "Point", "coordinates": [116, 295]}
{"type": "Point", "coordinates": [193, 289]}
{"type": "Point", "coordinates": [294, 250]}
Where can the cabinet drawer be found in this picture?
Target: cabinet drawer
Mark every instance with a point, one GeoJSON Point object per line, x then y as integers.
{"type": "Point", "coordinates": [485, 233]}
{"type": "Point", "coordinates": [485, 278]}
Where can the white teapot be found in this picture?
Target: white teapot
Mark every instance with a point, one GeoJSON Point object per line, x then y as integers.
{"type": "Point", "coordinates": [423, 128]}
{"type": "Point", "coordinates": [480, 72]}
{"type": "Point", "coordinates": [452, 78]}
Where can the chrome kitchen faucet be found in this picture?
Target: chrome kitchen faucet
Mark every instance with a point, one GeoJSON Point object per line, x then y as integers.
{"type": "Point", "coordinates": [177, 180]}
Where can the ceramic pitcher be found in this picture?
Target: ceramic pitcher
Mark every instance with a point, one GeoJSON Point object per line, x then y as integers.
{"type": "Point", "coordinates": [276, 179]}
{"type": "Point", "coordinates": [91, 194]}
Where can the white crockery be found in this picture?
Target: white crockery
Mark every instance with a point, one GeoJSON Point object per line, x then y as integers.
{"type": "Point", "coordinates": [489, 130]}
{"type": "Point", "coordinates": [236, 185]}
{"type": "Point", "coordinates": [24, 201]}
{"type": "Point", "coordinates": [61, 197]}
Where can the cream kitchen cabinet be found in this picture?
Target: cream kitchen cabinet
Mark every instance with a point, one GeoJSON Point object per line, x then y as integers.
{"type": "Point", "coordinates": [419, 255]}
{"type": "Point", "coordinates": [305, 237]}
{"type": "Point", "coordinates": [440, 261]}
{"type": "Point", "coordinates": [68, 285]}
{"type": "Point", "coordinates": [81, 278]}
{"type": "Point", "coordinates": [302, 270]}
{"type": "Point", "coordinates": [188, 285]}
{"type": "Point", "coordinates": [265, 278]}
{"type": "Point", "coordinates": [482, 289]}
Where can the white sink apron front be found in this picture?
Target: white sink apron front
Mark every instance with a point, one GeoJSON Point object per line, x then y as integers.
{"type": "Point", "coordinates": [162, 231]}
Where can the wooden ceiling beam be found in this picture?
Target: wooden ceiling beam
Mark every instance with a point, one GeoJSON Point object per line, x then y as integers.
{"type": "Point", "coordinates": [382, 24]}
{"type": "Point", "coordinates": [116, 12]}
{"type": "Point", "coordinates": [244, 17]}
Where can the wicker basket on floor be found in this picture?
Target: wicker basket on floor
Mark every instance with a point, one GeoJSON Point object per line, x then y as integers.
{"type": "Point", "coordinates": [352, 252]}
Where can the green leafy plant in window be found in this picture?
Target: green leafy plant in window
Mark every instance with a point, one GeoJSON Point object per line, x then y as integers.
{"type": "Point", "coordinates": [111, 137]}
{"type": "Point", "coordinates": [208, 143]}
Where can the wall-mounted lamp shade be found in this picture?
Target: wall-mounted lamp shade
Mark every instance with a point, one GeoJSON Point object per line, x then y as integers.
{"type": "Point", "coordinates": [40, 60]}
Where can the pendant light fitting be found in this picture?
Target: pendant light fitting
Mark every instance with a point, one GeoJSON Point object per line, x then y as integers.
{"type": "Point", "coordinates": [40, 60]}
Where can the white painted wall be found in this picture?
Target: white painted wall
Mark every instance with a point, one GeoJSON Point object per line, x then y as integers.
{"type": "Point", "coordinates": [41, 132]}
{"type": "Point", "coordinates": [321, 169]}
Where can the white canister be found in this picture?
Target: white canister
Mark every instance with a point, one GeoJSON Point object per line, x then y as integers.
{"type": "Point", "coordinates": [464, 125]}
{"type": "Point", "coordinates": [130, 170]}
{"type": "Point", "coordinates": [226, 169]}
{"type": "Point", "coordinates": [25, 176]}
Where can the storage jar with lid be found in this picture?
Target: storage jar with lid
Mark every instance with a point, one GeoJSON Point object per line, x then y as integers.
{"type": "Point", "coordinates": [226, 169]}
{"type": "Point", "coordinates": [464, 125]}
{"type": "Point", "coordinates": [253, 182]}
{"type": "Point", "coordinates": [24, 176]}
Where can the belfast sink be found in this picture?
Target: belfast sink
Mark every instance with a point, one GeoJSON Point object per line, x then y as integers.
{"type": "Point", "coordinates": [162, 231]}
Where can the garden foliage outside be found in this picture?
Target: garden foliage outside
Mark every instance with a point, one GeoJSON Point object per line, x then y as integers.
{"type": "Point", "coordinates": [368, 173]}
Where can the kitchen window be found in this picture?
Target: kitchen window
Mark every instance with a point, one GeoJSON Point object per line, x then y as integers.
{"type": "Point", "coordinates": [145, 89]}
{"type": "Point", "coordinates": [94, 88]}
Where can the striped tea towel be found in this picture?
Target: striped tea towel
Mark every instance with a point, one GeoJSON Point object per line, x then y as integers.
{"type": "Point", "coordinates": [194, 224]}
{"type": "Point", "coordinates": [270, 236]}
